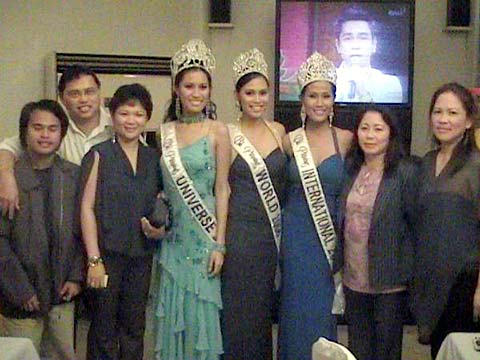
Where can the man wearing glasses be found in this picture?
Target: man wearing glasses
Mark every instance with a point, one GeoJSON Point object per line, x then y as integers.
{"type": "Point", "coordinates": [89, 124]}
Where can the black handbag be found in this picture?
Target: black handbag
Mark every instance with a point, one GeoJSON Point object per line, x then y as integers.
{"type": "Point", "coordinates": [160, 215]}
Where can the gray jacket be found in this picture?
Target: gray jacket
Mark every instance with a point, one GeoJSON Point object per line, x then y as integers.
{"type": "Point", "coordinates": [29, 265]}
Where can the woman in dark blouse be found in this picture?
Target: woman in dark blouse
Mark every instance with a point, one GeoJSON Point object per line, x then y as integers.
{"type": "Point", "coordinates": [121, 184]}
{"type": "Point", "coordinates": [376, 238]}
{"type": "Point", "coordinates": [448, 220]}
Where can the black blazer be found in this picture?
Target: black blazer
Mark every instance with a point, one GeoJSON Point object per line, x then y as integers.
{"type": "Point", "coordinates": [391, 238]}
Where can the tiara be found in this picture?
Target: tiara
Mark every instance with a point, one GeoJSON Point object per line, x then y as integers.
{"type": "Point", "coordinates": [316, 67]}
{"type": "Point", "coordinates": [192, 54]}
{"type": "Point", "coordinates": [251, 61]}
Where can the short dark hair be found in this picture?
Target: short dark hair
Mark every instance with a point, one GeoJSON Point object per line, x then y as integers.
{"type": "Point", "coordinates": [171, 113]}
{"type": "Point", "coordinates": [52, 107]}
{"type": "Point", "coordinates": [247, 78]}
{"type": "Point", "coordinates": [75, 72]}
{"type": "Point", "coordinates": [132, 92]}
{"type": "Point", "coordinates": [354, 13]}
{"type": "Point", "coordinates": [355, 156]}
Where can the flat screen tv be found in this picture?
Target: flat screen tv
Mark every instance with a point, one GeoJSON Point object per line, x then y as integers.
{"type": "Point", "coordinates": [370, 43]}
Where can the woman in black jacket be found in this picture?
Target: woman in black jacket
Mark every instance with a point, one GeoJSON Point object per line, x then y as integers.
{"type": "Point", "coordinates": [375, 237]}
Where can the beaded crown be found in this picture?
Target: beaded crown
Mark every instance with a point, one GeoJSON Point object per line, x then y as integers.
{"type": "Point", "coordinates": [251, 61]}
{"type": "Point", "coordinates": [192, 54]}
{"type": "Point", "coordinates": [316, 67]}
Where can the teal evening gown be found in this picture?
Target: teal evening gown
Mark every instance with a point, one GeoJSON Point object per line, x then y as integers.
{"type": "Point", "coordinates": [188, 299]}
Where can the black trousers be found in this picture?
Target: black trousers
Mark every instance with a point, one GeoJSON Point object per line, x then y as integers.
{"type": "Point", "coordinates": [458, 313]}
{"type": "Point", "coordinates": [118, 316]}
{"type": "Point", "coordinates": [375, 324]}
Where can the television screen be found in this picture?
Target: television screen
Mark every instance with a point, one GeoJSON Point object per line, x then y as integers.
{"type": "Point", "coordinates": [370, 43]}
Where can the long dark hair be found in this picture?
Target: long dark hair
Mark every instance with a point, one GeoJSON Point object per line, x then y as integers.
{"type": "Point", "coordinates": [302, 95]}
{"type": "Point", "coordinates": [245, 79]}
{"type": "Point", "coordinates": [355, 156]}
{"type": "Point", "coordinates": [171, 114]}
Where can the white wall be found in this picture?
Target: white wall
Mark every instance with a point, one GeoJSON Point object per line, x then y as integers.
{"type": "Point", "coordinates": [440, 57]}
{"type": "Point", "coordinates": [30, 30]}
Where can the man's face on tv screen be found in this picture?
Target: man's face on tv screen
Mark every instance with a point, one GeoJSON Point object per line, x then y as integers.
{"type": "Point", "coordinates": [356, 43]}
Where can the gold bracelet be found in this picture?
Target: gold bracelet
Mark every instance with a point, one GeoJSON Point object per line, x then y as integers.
{"type": "Point", "coordinates": [94, 261]}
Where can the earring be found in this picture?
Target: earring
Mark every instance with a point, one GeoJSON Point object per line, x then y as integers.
{"type": "Point", "coordinates": [330, 119]}
{"type": "Point", "coordinates": [178, 108]}
{"type": "Point", "coordinates": [114, 138]}
{"type": "Point", "coordinates": [303, 116]}
{"type": "Point", "coordinates": [239, 110]}
{"type": "Point", "coordinates": [208, 110]}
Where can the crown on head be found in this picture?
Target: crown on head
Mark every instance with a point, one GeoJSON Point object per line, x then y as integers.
{"type": "Point", "coordinates": [316, 67]}
{"type": "Point", "coordinates": [251, 61]}
{"type": "Point", "coordinates": [192, 54]}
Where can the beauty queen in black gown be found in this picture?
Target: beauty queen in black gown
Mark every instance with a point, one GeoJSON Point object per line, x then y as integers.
{"type": "Point", "coordinates": [249, 269]}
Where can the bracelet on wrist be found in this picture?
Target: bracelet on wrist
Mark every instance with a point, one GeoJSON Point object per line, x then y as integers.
{"type": "Point", "coordinates": [94, 261]}
{"type": "Point", "coordinates": [220, 248]}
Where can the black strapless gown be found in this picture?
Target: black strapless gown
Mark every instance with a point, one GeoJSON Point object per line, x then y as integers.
{"type": "Point", "coordinates": [249, 269]}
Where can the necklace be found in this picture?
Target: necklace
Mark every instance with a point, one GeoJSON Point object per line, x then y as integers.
{"type": "Point", "coordinates": [367, 179]}
{"type": "Point", "coordinates": [192, 119]}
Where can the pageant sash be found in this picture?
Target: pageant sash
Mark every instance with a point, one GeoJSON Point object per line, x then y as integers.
{"type": "Point", "coordinates": [262, 179]}
{"type": "Point", "coordinates": [313, 190]}
{"type": "Point", "coordinates": [317, 204]}
{"type": "Point", "coordinates": [184, 183]}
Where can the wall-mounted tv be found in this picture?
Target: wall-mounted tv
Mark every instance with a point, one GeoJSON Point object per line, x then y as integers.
{"type": "Point", "coordinates": [370, 43]}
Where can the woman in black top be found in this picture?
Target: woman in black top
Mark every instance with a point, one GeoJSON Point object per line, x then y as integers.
{"type": "Point", "coordinates": [122, 182]}
{"type": "Point", "coordinates": [448, 219]}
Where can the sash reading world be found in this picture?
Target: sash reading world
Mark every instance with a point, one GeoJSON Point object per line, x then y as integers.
{"type": "Point", "coordinates": [313, 190]}
{"type": "Point", "coordinates": [183, 182]}
{"type": "Point", "coordinates": [262, 179]}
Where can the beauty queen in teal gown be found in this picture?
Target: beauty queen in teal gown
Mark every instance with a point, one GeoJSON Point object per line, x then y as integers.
{"type": "Point", "coordinates": [189, 297]}
{"type": "Point", "coordinates": [195, 162]}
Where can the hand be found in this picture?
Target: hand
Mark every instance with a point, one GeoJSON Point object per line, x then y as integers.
{"type": "Point", "coordinates": [150, 231]}
{"type": "Point", "coordinates": [476, 305]}
{"type": "Point", "coordinates": [361, 92]}
{"type": "Point", "coordinates": [359, 78]}
{"type": "Point", "coordinates": [96, 276]}
{"type": "Point", "coordinates": [216, 263]}
{"type": "Point", "coordinates": [8, 193]}
{"type": "Point", "coordinates": [69, 290]}
{"type": "Point", "coordinates": [31, 304]}
{"type": "Point", "coordinates": [424, 335]}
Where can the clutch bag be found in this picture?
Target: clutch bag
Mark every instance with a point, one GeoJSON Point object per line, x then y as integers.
{"type": "Point", "coordinates": [160, 215]}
